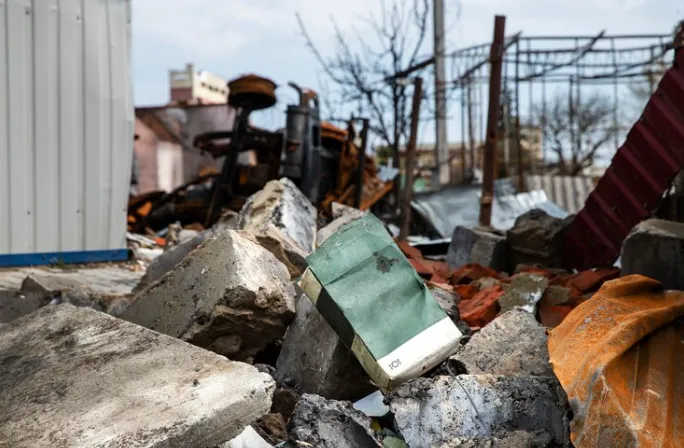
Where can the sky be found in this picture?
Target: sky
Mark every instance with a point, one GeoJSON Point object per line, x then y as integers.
{"type": "Point", "coordinates": [234, 37]}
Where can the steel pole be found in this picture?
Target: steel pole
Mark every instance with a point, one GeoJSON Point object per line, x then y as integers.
{"type": "Point", "coordinates": [411, 159]}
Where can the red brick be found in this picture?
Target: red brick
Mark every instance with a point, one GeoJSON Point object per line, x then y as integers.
{"type": "Point", "coordinates": [482, 308]}
{"type": "Point", "coordinates": [466, 292]}
{"type": "Point", "coordinates": [410, 251]}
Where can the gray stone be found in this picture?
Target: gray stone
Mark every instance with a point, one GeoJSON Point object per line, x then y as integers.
{"type": "Point", "coordinates": [477, 246]}
{"type": "Point", "coordinates": [280, 203]}
{"type": "Point", "coordinates": [75, 377]}
{"type": "Point", "coordinates": [555, 295]}
{"type": "Point", "coordinates": [524, 291]}
{"type": "Point", "coordinates": [285, 249]}
{"type": "Point", "coordinates": [537, 239]}
{"type": "Point", "coordinates": [331, 424]}
{"type": "Point", "coordinates": [342, 215]}
{"type": "Point", "coordinates": [314, 357]}
{"type": "Point", "coordinates": [516, 439]}
{"type": "Point", "coordinates": [339, 210]}
{"type": "Point", "coordinates": [655, 249]}
{"type": "Point", "coordinates": [512, 344]}
{"type": "Point", "coordinates": [14, 304]}
{"type": "Point", "coordinates": [229, 295]}
{"type": "Point", "coordinates": [430, 412]}
{"type": "Point", "coordinates": [169, 259]}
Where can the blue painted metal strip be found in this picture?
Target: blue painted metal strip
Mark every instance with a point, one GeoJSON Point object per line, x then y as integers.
{"type": "Point", "coordinates": [76, 257]}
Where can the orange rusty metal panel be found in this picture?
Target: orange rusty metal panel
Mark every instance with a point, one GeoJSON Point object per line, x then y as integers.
{"type": "Point", "coordinates": [632, 187]}
{"type": "Point", "coordinates": [619, 358]}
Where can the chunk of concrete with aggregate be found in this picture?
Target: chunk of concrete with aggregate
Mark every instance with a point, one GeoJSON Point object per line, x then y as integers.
{"type": "Point", "coordinates": [537, 238]}
{"type": "Point", "coordinates": [524, 292]}
{"type": "Point", "coordinates": [330, 424]}
{"type": "Point", "coordinates": [342, 215]}
{"type": "Point", "coordinates": [280, 203]}
{"type": "Point", "coordinates": [477, 246]}
{"type": "Point", "coordinates": [229, 295]}
{"type": "Point", "coordinates": [512, 344]}
{"type": "Point", "coordinates": [76, 377]}
{"type": "Point", "coordinates": [655, 249]}
{"type": "Point", "coordinates": [314, 358]}
{"type": "Point", "coordinates": [430, 412]}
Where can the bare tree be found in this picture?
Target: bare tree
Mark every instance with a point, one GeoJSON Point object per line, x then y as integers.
{"type": "Point", "coordinates": [362, 64]}
{"type": "Point", "coordinates": [576, 141]}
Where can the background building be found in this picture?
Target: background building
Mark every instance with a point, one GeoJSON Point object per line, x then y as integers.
{"type": "Point", "coordinates": [191, 87]}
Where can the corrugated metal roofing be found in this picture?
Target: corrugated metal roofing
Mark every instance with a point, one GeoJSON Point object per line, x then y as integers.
{"type": "Point", "coordinates": [460, 206]}
{"type": "Point", "coordinates": [66, 124]}
{"type": "Point", "coordinates": [568, 192]}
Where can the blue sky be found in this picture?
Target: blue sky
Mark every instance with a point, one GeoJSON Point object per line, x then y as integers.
{"type": "Point", "coordinates": [233, 37]}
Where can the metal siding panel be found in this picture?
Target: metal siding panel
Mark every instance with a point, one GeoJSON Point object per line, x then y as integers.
{"type": "Point", "coordinates": [20, 125]}
{"type": "Point", "coordinates": [45, 125]}
{"type": "Point", "coordinates": [96, 129]}
{"type": "Point", "coordinates": [122, 119]}
{"type": "Point", "coordinates": [66, 124]}
{"type": "Point", "coordinates": [71, 141]}
{"type": "Point", "coordinates": [5, 190]}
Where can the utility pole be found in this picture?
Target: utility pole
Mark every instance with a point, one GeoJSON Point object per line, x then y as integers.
{"type": "Point", "coordinates": [442, 170]}
{"type": "Point", "coordinates": [489, 168]}
{"type": "Point", "coordinates": [471, 130]}
{"type": "Point", "coordinates": [411, 159]}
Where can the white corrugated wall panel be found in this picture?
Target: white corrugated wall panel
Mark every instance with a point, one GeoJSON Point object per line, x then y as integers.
{"type": "Point", "coordinates": [66, 125]}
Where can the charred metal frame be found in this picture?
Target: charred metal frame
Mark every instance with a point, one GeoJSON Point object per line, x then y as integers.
{"type": "Point", "coordinates": [573, 60]}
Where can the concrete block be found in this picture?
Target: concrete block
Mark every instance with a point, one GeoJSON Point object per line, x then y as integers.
{"type": "Point", "coordinates": [326, 423]}
{"type": "Point", "coordinates": [285, 249]}
{"type": "Point", "coordinates": [315, 359]}
{"type": "Point", "coordinates": [524, 292]}
{"type": "Point", "coordinates": [342, 215]}
{"type": "Point", "coordinates": [477, 246]}
{"type": "Point", "coordinates": [655, 249]}
{"type": "Point", "coordinates": [280, 203]}
{"type": "Point", "coordinates": [512, 344]}
{"type": "Point", "coordinates": [229, 295]}
{"type": "Point", "coordinates": [169, 259]}
{"type": "Point", "coordinates": [430, 412]}
{"type": "Point", "coordinates": [76, 377]}
{"type": "Point", "coordinates": [537, 239]}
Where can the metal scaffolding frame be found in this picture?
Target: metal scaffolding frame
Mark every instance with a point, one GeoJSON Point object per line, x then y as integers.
{"type": "Point", "coordinates": [575, 61]}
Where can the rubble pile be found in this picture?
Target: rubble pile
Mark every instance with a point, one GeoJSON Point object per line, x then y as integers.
{"type": "Point", "coordinates": [385, 347]}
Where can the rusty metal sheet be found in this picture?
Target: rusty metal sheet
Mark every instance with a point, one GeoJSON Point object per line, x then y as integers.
{"type": "Point", "coordinates": [619, 358]}
{"type": "Point", "coordinates": [633, 186]}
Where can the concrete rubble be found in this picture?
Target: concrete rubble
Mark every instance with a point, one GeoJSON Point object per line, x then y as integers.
{"type": "Point", "coordinates": [477, 246]}
{"type": "Point", "coordinates": [76, 377]}
{"type": "Point", "coordinates": [524, 292]}
{"type": "Point", "coordinates": [229, 295]}
{"type": "Point", "coordinates": [655, 249]}
{"type": "Point", "coordinates": [537, 238]}
{"type": "Point", "coordinates": [330, 424]}
{"type": "Point", "coordinates": [342, 215]}
{"type": "Point", "coordinates": [283, 220]}
{"type": "Point", "coordinates": [513, 344]}
{"type": "Point", "coordinates": [434, 411]}
{"type": "Point", "coordinates": [314, 357]}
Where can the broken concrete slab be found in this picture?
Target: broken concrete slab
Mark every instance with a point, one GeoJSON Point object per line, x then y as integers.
{"type": "Point", "coordinates": [76, 377]}
{"type": "Point", "coordinates": [524, 292]}
{"type": "Point", "coordinates": [537, 238]}
{"type": "Point", "coordinates": [280, 203]}
{"type": "Point", "coordinates": [229, 295]}
{"type": "Point", "coordinates": [14, 304]}
{"type": "Point", "coordinates": [339, 210]}
{"type": "Point", "coordinates": [477, 246]}
{"type": "Point", "coordinates": [433, 411]}
{"type": "Point", "coordinates": [516, 439]}
{"type": "Point", "coordinates": [285, 249]}
{"type": "Point", "coordinates": [655, 249]}
{"type": "Point", "coordinates": [314, 358]}
{"type": "Point", "coordinates": [345, 215]}
{"type": "Point", "coordinates": [512, 344]}
{"type": "Point", "coordinates": [169, 259]}
{"type": "Point", "coordinates": [331, 424]}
